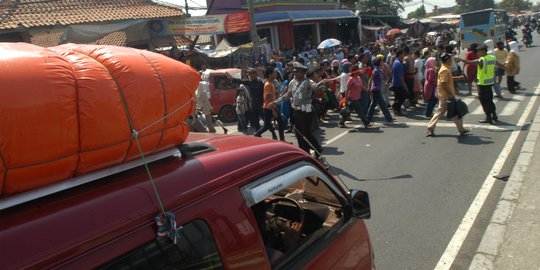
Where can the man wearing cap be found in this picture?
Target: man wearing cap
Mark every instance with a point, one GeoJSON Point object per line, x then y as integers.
{"type": "Point", "coordinates": [485, 81]}
{"type": "Point", "coordinates": [300, 92]}
{"type": "Point", "coordinates": [256, 89]}
{"type": "Point", "coordinates": [445, 85]}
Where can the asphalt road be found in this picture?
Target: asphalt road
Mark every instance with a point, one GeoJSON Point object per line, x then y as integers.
{"type": "Point", "coordinates": [421, 189]}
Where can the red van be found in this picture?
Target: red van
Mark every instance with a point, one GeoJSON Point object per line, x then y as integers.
{"type": "Point", "coordinates": [239, 203]}
{"type": "Point", "coordinates": [222, 91]}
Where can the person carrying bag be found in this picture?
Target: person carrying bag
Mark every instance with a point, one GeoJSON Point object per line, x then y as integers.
{"type": "Point", "coordinates": [445, 85]}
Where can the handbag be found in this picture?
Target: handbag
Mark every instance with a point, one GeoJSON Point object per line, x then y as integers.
{"type": "Point", "coordinates": [456, 107]}
{"type": "Point", "coordinates": [451, 108]}
{"type": "Point", "coordinates": [461, 108]}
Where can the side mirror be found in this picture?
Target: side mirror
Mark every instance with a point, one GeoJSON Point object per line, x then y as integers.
{"type": "Point", "coordinates": [360, 204]}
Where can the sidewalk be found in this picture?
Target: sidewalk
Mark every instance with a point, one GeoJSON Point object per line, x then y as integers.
{"type": "Point", "coordinates": [512, 238]}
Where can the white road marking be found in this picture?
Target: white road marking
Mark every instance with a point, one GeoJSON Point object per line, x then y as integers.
{"type": "Point", "coordinates": [448, 124]}
{"type": "Point", "coordinates": [449, 255]}
{"type": "Point", "coordinates": [469, 100]}
{"type": "Point", "coordinates": [480, 111]}
{"type": "Point", "coordinates": [325, 143]}
{"type": "Point", "coordinates": [512, 105]}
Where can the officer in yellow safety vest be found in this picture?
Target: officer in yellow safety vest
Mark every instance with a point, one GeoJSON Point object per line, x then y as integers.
{"type": "Point", "coordinates": [485, 81]}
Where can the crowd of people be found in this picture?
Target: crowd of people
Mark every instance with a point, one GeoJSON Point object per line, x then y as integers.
{"type": "Point", "coordinates": [297, 95]}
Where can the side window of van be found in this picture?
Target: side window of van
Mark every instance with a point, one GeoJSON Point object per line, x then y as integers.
{"type": "Point", "coordinates": [222, 83]}
{"type": "Point", "coordinates": [294, 208]}
{"type": "Point", "coordinates": [195, 249]}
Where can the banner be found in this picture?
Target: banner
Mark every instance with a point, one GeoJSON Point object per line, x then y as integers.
{"type": "Point", "coordinates": [201, 25]}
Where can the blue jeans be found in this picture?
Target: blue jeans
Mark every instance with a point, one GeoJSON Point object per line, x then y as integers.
{"type": "Point", "coordinates": [242, 122]}
{"type": "Point", "coordinates": [499, 74]}
{"type": "Point", "coordinates": [430, 106]}
{"type": "Point", "coordinates": [378, 99]}
{"type": "Point", "coordinates": [356, 105]}
{"type": "Point", "coordinates": [365, 100]}
{"type": "Point", "coordinates": [253, 117]}
{"type": "Point", "coordinates": [268, 116]}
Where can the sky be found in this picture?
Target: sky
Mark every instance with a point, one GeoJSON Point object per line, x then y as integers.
{"type": "Point", "coordinates": [411, 8]}
{"type": "Point", "coordinates": [192, 5]}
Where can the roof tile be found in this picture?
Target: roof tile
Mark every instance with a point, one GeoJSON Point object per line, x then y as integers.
{"type": "Point", "coordinates": [31, 13]}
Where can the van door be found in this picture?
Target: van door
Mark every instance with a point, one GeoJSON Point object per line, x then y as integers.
{"type": "Point", "coordinates": [214, 233]}
{"type": "Point", "coordinates": [303, 218]}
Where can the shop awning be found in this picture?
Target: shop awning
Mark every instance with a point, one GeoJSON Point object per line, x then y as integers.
{"type": "Point", "coordinates": [373, 28]}
{"type": "Point", "coordinates": [272, 17]}
{"type": "Point", "coordinates": [303, 15]}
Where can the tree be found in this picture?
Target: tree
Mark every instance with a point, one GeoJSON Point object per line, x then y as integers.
{"type": "Point", "coordinates": [379, 7]}
{"type": "Point", "coordinates": [519, 4]}
{"type": "Point", "coordinates": [472, 5]}
{"type": "Point", "coordinates": [420, 12]}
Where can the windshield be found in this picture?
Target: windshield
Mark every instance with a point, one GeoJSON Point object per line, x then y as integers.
{"type": "Point", "coordinates": [477, 18]}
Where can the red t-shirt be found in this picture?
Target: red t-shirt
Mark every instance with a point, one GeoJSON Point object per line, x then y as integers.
{"type": "Point", "coordinates": [354, 86]}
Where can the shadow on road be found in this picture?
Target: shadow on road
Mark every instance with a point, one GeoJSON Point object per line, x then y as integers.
{"type": "Point", "coordinates": [396, 125]}
{"type": "Point", "coordinates": [397, 177]}
{"type": "Point", "coordinates": [338, 171]}
{"type": "Point", "coordinates": [366, 130]}
{"type": "Point", "coordinates": [334, 151]}
{"type": "Point", "coordinates": [473, 140]}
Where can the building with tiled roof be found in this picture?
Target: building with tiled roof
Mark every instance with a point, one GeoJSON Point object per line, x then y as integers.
{"type": "Point", "coordinates": [44, 22]}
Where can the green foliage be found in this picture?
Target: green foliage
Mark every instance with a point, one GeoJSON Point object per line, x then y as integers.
{"type": "Point", "coordinates": [472, 5]}
{"type": "Point", "coordinates": [420, 12]}
{"type": "Point", "coordinates": [520, 4]}
{"type": "Point", "coordinates": [376, 7]}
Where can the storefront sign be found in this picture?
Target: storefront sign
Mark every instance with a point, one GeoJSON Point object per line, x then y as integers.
{"type": "Point", "coordinates": [202, 25]}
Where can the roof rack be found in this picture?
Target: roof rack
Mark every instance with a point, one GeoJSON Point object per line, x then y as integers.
{"type": "Point", "coordinates": [84, 179]}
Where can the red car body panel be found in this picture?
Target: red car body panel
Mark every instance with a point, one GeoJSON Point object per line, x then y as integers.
{"type": "Point", "coordinates": [75, 230]}
{"type": "Point", "coordinates": [222, 96]}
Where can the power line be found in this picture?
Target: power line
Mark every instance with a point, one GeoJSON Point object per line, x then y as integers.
{"type": "Point", "coordinates": [416, 3]}
{"type": "Point", "coordinates": [201, 6]}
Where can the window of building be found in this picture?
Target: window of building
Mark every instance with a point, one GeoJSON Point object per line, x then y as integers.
{"type": "Point", "coordinates": [304, 36]}
{"type": "Point", "coordinates": [195, 249]}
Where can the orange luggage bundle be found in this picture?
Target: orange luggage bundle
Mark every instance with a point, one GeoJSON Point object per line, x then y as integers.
{"type": "Point", "coordinates": [73, 109]}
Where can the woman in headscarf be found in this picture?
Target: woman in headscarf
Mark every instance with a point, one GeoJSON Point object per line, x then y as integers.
{"type": "Point", "coordinates": [512, 66]}
{"type": "Point", "coordinates": [430, 86]}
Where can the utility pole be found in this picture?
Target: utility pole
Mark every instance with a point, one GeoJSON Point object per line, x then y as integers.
{"type": "Point", "coordinates": [253, 28]}
{"type": "Point", "coordinates": [187, 8]}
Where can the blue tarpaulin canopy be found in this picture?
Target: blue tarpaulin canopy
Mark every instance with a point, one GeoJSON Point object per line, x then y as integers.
{"type": "Point", "coordinates": [302, 15]}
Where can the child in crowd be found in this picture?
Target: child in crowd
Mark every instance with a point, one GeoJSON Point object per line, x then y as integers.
{"type": "Point", "coordinates": [242, 108]}
{"type": "Point", "coordinates": [418, 66]}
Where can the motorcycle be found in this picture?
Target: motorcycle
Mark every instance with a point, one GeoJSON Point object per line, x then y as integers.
{"type": "Point", "coordinates": [538, 29]}
{"type": "Point", "coordinates": [527, 40]}
{"type": "Point", "coordinates": [527, 37]}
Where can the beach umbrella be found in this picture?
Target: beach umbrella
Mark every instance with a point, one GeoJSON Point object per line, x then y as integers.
{"type": "Point", "coordinates": [393, 32]}
{"type": "Point", "coordinates": [329, 43]}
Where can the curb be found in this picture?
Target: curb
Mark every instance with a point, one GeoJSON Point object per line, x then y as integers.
{"type": "Point", "coordinates": [493, 238]}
